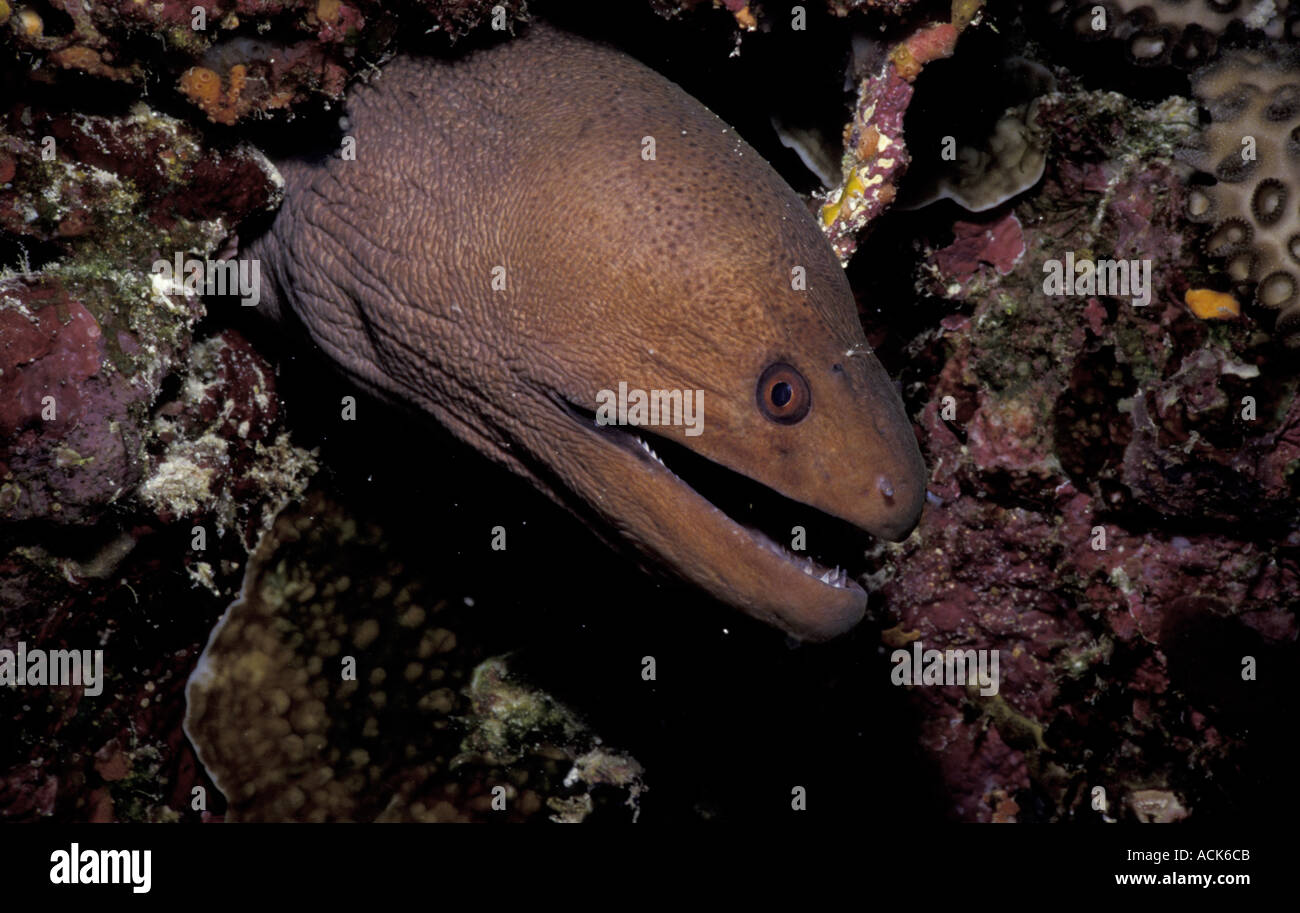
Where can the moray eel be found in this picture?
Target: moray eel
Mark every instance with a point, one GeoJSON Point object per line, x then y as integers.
{"type": "Point", "coordinates": [504, 247]}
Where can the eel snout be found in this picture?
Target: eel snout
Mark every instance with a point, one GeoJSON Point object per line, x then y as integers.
{"type": "Point", "coordinates": [764, 514]}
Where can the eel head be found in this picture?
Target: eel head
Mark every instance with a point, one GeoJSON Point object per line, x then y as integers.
{"type": "Point", "coordinates": [708, 274]}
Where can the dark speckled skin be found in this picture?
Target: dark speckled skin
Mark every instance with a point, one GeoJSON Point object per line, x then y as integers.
{"type": "Point", "coordinates": [671, 273]}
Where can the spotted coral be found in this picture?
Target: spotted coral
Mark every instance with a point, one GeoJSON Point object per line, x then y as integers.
{"type": "Point", "coordinates": [334, 689]}
{"type": "Point", "coordinates": [1252, 148]}
{"type": "Point", "coordinates": [1185, 33]}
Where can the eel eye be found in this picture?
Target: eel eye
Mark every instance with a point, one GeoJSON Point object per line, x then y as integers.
{"type": "Point", "coordinates": [783, 394]}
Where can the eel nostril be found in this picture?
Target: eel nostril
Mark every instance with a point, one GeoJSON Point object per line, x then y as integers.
{"type": "Point", "coordinates": [885, 485]}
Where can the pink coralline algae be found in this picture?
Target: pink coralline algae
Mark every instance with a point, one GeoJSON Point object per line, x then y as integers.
{"type": "Point", "coordinates": [999, 244]}
{"type": "Point", "coordinates": [55, 398]}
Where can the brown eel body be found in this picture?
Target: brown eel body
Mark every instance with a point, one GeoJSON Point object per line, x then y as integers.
{"type": "Point", "coordinates": [504, 247]}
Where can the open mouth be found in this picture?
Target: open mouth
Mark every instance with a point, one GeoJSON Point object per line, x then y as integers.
{"type": "Point", "coordinates": [832, 547]}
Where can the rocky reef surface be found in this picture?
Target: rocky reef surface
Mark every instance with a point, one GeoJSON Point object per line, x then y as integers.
{"type": "Point", "coordinates": [1114, 503]}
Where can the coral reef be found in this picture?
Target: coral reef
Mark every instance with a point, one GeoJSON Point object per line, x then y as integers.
{"type": "Point", "coordinates": [128, 584]}
{"type": "Point", "coordinates": [126, 451]}
{"type": "Point", "coordinates": [1107, 514]}
{"type": "Point", "coordinates": [232, 59]}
